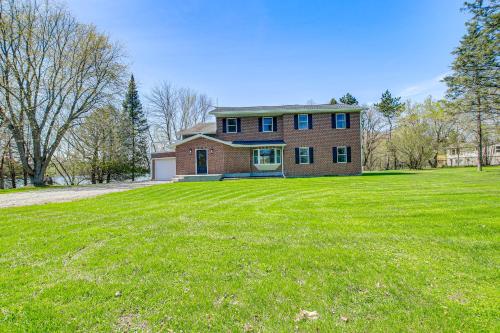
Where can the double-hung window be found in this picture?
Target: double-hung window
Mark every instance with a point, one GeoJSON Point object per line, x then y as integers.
{"type": "Point", "coordinates": [303, 121]}
{"type": "Point", "coordinates": [304, 155]}
{"type": "Point", "coordinates": [266, 156]}
{"type": "Point", "coordinates": [342, 155]}
{"type": "Point", "coordinates": [231, 125]}
{"type": "Point", "coordinates": [340, 120]}
{"type": "Point", "coordinates": [267, 124]}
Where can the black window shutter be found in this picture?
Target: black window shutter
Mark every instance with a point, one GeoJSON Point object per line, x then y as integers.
{"type": "Point", "coordinates": [311, 155]}
{"type": "Point", "coordinates": [239, 125]}
{"type": "Point", "coordinates": [310, 120]}
{"type": "Point", "coordinates": [224, 128]}
{"type": "Point", "coordinates": [347, 120]}
{"type": "Point", "coordinates": [260, 124]}
{"type": "Point", "coordinates": [334, 120]}
{"type": "Point", "coordinates": [296, 121]}
{"type": "Point", "coordinates": [334, 153]}
{"type": "Point", "coordinates": [348, 154]}
{"type": "Point", "coordinates": [296, 155]}
{"type": "Point", "coordinates": [275, 124]}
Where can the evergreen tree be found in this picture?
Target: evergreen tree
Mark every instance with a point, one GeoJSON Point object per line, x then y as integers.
{"type": "Point", "coordinates": [333, 101]}
{"type": "Point", "coordinates": [348, 99]}
{"type": "Point", "coordinates": [136, 130]}
{"type": "Point", "coordinates": [390, 107]}
{"type": "Point", "coordinates": [476, 69]}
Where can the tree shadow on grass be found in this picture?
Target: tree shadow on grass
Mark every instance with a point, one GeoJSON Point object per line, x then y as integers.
{"type": "Point", "coordinates": [391, 173]}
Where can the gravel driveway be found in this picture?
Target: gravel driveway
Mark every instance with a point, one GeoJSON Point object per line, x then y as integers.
{"type": "Point", "coordinates": [64, 194]}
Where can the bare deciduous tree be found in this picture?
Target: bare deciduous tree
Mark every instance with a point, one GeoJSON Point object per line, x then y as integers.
{"type": "Point", "coordinates": [53, 70]}
{"type": "Point", "coordinates": [173, 109]}
{"type": "Point", "coordinates": [163, 104]}
{"type": "Point", "coordinates": [372, 136]}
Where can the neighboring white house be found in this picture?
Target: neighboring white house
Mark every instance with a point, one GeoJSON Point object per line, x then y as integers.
{"type": "Point", "coordinates": [467, 155]}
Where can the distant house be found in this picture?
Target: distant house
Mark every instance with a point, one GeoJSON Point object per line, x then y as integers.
{"type": "Point", "coordinates": [466, 155]}
{"type": "Point", "coordinates": [262, 141]}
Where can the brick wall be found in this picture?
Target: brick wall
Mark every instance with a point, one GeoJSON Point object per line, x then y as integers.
{"type": "Point", "coordinates": [185, 161]}
{"type": "Point", "coordinates": [237, 160]}
{"type": "Point", "coordinates": [322, 137]}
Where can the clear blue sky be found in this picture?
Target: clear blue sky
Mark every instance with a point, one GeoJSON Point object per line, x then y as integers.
{"type": "Point", "coordinates": [284, 52]}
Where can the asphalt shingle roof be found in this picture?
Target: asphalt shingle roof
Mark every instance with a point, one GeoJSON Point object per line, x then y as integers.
{"type": "Point", "coordinates": [278, 109]}
{"type": "Point", "coordinates": [203, 128]}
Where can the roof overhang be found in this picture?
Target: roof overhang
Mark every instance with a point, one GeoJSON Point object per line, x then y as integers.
{"type": "Point", "coordinates": [277, 112]}
{"type": "Point", "coordinates": [228, 143]}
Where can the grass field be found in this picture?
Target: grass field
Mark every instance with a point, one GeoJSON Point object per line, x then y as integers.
{"type": "Point", "coordinates": [410, 251]}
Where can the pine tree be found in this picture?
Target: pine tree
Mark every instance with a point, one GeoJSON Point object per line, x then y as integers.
{"type": "Point", "coordinates": [136, 130]}
{"type": "Point", "coordinates": [476, 68]}
{"type": "Point", "coordinates": [333, 101]}
{"type": "Point", "coordinates": [390, 107]}
{"type": "Point", "coordinates": [348, 99]}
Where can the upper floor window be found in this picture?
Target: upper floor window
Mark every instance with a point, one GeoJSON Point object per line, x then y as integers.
{"type": "Point", "coordinates": [267, 124]}
{"type": "Point", "coordinates": [232, 125]}
{"type": "Point", "coordinates": [303, 121]}
{"type": "Point", "coordinates": [340, 120]}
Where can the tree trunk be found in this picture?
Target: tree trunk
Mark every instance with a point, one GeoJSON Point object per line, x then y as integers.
{"type": "Point", "coordinates": [37, 178]}
{"type": "Point", "coordinates": [133, 157]}
{"type": "Point", "coordinates": [2, 181]}
{"type": "Point", "coordinates": [12, 168]}
{"type": "Point", "coordinates": [480, 138]}
{"type": "Point", "coordinates": [389, 140]}
{"type": "Point", "coordinates": [93, 175]}
{"type": "Point", "coordinates": [108, 177]}
{"type": "Point", "coordinates": [25, 178]}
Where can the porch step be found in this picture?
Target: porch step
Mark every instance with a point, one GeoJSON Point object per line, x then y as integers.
{"type": "Point", "coordinates": [196, 178]}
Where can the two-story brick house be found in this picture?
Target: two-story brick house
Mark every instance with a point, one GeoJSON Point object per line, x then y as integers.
{"type": "Point", "coordinates": [289, 140]}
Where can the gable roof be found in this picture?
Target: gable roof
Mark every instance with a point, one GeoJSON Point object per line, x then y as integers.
{"type": "Point", "coordinates": [203, 128]}
{"type": "Point", "coordinates": [282, 109]}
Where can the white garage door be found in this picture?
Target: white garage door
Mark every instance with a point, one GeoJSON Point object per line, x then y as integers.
{"type": "Point", "coordinates": [164, 168]}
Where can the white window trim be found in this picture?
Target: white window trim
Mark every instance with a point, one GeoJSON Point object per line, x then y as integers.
{"type": "Point", "coordinates": [298, 121]}
{"type": "Point", "coordinates": [345, 147]}
{"type": "Point", "coordinates": [272, 124]}
{"type": "Point", "coordinates": [337, 121]}
{"type": "Point", "coordinates": [235, 125]}
{"type": "Point", "coordinates": [308, 155]}
{"type": "Point", "coordinates": [275, 155]}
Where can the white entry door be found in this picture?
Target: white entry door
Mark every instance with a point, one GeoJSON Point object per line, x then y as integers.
{"type": "Point", "coordinates": [165, 168]}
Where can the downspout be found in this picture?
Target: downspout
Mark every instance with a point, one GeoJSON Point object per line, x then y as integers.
{"type": "Point", "coordinates": [282, 163]}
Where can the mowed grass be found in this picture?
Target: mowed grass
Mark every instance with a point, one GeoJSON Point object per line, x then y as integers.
{"type": "Point", "coordinates": [409, 251]}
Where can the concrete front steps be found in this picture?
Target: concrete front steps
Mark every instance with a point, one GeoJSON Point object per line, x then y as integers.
{"type": "Point", "coordinates": [196, 178]}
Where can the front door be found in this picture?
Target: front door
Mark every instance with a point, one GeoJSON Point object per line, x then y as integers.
{"type": "Point", "coordinates": [201, 162]}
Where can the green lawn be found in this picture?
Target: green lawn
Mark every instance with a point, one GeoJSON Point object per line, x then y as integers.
{"type": "Point", "coordinates": [410, 251]}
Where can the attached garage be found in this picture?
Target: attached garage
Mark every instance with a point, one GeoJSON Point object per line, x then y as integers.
{"type": "Point", "coordinates": [163, 166]}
